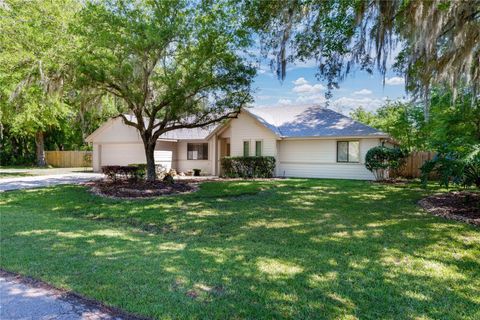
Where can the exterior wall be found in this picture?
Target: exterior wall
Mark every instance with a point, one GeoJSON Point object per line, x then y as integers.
{"type": "Point", "coordinates": [166, 154]}
{"type": "Point", "coordinates": [247, 128]}
{"type": "Point", "coordinates": [182, 164]}
{"type": "Point", "coordinates": [118, 132]}
{"type": "Point", "coordinates": [316, 158]}
{"type": "Point", "coordinates": [119, 144]}
{"type": "Point", "coordinates": [122, 154]}
{"type": "Point", "coordinates": [96, 157]}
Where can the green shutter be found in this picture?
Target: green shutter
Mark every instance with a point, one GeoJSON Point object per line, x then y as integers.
{"type": "Point", "coordinates": [246, 148]}
{"type": "Point", "coordinates": [258, 148]}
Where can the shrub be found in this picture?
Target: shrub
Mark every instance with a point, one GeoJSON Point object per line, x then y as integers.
{"type": "Point", "coordinates": [196, 172]}
{"type": "Point", "coordinates": [141, 170]}
{"type": "Point", "coordinates": [249, 167]}
{"type": "Point", "coordinates": [116, 172]}
{"type": "Point", "coordinates": [168, 179]}
{"type": "Point", "coordinates": [382, 160]}
{"type": "Point", "coordinates": [457, 167]}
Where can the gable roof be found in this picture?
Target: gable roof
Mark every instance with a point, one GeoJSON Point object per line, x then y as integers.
{"type": "Point", "coordinates": [310, 121]}
{"type": "Point", "coordinates": [179, 134]}
{"type": "Point", "coordinates": [283, 121]}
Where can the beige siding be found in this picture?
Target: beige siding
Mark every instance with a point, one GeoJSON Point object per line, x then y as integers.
{"type": "Point", "coordinates": [183, 164]}
{"type": "Point", "coordinates": [246, 128]}
{"type": "Point", "coordinates": [119, 144]}
{"type": "Point", "coordinates": [316, 158]}
{"type": "Point", "coordinates": [96, 157]}
{"type": "Point", "coordinates": [118, 132]}
{"type": "Point", "coordinates": [122, 154]}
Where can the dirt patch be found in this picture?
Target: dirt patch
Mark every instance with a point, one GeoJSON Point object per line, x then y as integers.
{"type": "Point", "coordinates": [124, 189]}
{"type": "Point", "coordinates": [461, 206]}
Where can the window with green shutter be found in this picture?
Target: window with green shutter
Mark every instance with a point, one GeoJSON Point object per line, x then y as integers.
{"type": "Point", "coordinates": [246, 148]}
{"type": "Point", "coordinates": [258, 148]}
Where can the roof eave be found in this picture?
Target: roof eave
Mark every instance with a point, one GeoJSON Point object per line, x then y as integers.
{"type": "Point", "coordinates": [335, 137]}
{"type": "Point", "coordinates": [260, 122]}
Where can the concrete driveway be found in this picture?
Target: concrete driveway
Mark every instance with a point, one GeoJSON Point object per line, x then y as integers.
{"type": "Point", "coordinates": [38, 178]}
{"type": "Point", "coordinates": [22, 300]}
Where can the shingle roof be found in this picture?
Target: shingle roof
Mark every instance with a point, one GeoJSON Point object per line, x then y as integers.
{"type": "Point", "coordinates": [310, 121]}
{"type": "Point", "coordinates": [188, 134]}
{"type": "Point", "coordinates": [290, 122]}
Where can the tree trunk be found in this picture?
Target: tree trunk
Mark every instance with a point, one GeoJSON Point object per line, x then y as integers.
{"type": "Point", "coordinates": [149, 154]}
{"type": "Point", "coordinates": [40, 149]}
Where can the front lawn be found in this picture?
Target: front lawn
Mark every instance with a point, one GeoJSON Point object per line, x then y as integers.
{"type": "Point", "coordinates": [293, 248]}
{"type": "Point", "coordinates": [13, 174]}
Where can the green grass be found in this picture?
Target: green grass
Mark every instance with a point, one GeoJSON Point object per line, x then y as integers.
{"type": "Point", "coordinates": [268, 249]}
{"type": "Point", "coordinates": [13, 174]}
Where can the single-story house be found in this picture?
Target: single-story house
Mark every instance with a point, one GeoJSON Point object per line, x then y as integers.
{"type": "Point", "coordinates": [306, 142]}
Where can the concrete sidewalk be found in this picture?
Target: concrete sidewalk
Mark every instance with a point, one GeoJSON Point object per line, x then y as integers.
{"type": "Point", "coordinates": [24, 298]}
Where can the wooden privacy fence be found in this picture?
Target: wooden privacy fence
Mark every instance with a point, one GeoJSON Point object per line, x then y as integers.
{"type": "Point", "coordinates": [413, 163]}
{"type": "Point", "coordinates": [69, 159]}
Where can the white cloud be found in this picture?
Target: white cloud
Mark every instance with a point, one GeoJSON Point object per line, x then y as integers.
{"type": "Point", "coordinates": [284, 102]}
{"type": "Point", "coordinates": [308, 88]}
{"type": "Point", "coordinates": [314, 98]}
{"type": "Point", "coordinates": [300, 81]}
{"type": "Point", "coordinates": [394, 81]}
{"type": "Point", "coordinates": [363, 92]}
{"type": "Point", "coordinates": [345, 104]}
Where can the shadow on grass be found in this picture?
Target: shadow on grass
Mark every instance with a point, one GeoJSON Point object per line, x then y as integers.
{"type": "Point", "coordinates": [285, 249]}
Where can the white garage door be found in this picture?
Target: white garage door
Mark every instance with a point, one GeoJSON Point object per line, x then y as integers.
{"type": "Point", "coordinates": [125, 154]}
{"type": "Point", "coordinates": [122, 154]}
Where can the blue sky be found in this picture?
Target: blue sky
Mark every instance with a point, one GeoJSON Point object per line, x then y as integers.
{"type": "Point", "coordinates": [301, 87]}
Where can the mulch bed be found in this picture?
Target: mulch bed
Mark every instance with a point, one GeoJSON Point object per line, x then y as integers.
{"type": "Point", "coordinates": [461, 206]}
{"type": "Point", "coordinates": [393, 181]}
{"type": "Point", "coordinates": [125, 189]}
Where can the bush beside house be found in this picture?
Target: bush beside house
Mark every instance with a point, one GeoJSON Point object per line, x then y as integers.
{"type": "Point", "coordinates": [382, 160]}
{"type": "Point", "coordinates": [249, 167]}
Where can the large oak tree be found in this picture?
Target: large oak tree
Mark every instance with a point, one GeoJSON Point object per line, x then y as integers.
{"type": "Point", "coordinates": [174, 64]}
{"type": "Point", "coordinates": [435, 42]}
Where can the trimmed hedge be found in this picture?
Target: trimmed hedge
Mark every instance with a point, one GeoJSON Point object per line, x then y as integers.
{"type": "Point", "coordinates": [249, 167]}
{"type": "Point", "coordinates": [116, 172]}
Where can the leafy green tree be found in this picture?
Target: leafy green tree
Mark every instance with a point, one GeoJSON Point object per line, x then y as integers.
{"type": "Point", "coordinates": [456, 124]}
{"type": "Point", "coordinates": [33, 66]}
{"type": "Point", "coordinates": [438, 40]}
{"type": "Point", "coordinates": [174, 64]}
{"type": "Point", "coordinates": [403, 121]}
{"type": "Point", "coordinates": [366, 117]}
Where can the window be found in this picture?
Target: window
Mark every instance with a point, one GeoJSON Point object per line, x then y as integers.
{"type": "Point", "coordinates": [197, 151]}
{"type": "Point", "coordinates": [258, 148]}
{"type": "Point", "coordinates": [348, 151]}
{"type": "Point", "coordinates": [246, 148]}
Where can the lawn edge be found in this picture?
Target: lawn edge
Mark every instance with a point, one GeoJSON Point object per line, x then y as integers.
{"type": "Point", "coordinates": [70, 296]}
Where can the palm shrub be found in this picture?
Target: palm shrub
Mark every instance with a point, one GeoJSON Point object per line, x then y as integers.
{"type": "Point", "coordinates": [249, 167]}
{"type": "Point", "coordinates": [382, 160]}
{"type": "Point", "coordinates": [460, 167]}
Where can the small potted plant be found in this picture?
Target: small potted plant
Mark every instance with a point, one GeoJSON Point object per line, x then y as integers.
{"type": "Point", "coordinates": [196, 172]}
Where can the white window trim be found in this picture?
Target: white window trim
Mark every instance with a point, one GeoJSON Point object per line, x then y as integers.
{"type": "Point", "coordinates": [359, 151]}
